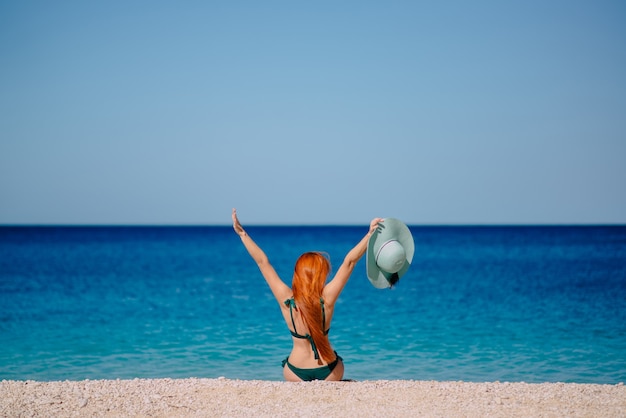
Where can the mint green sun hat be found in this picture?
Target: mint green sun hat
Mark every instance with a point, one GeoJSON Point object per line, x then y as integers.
{"type": "Point", "coordinates": [389, 253]}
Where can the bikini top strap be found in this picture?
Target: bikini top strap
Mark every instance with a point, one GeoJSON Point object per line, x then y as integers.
{"type": "Point", "coordinates": [292, 305]}
{"type": "Point", "coordinates": [316, 354]}
{"type": "Point", "coordinates": [323, 314]}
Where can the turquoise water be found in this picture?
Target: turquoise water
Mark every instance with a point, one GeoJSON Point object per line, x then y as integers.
{"type": "Point", "coordinates": [534, 304]}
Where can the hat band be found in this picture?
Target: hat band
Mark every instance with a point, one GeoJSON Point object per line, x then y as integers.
{"type": "Point", "coordinates": [383, 246]}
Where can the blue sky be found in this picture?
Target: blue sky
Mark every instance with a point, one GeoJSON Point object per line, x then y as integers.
{"type": "Point", "coordinates": [295, 112]}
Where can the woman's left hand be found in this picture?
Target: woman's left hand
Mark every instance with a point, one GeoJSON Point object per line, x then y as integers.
{"type": "Point", "coordinates": [237, 225]}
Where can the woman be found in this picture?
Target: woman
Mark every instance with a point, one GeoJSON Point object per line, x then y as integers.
{"type": "Point", "coordinates": [308, 306]}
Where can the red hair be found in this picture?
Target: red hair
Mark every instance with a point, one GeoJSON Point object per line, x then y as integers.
{"type": "Point", "coordinates": [309, 279]}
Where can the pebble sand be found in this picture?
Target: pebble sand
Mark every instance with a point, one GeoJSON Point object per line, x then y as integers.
{"type": "Point", "coordinates": [243, 398]}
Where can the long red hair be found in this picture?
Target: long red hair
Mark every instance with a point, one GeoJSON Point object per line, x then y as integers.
{"type": "Point", "coordinates": [309, 279]}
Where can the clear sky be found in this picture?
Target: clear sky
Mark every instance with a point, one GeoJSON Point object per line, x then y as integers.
{"type": "Point", "coordinates": [312, 112]}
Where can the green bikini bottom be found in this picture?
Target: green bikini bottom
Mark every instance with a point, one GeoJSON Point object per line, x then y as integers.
{"type": "Point", "coordinates": [318, 373]}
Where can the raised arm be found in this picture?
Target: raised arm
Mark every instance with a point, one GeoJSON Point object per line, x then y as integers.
{"type": "Point", "coordinates": [280, 290]}
{"type": "Point", "coordinates": [335, 286]}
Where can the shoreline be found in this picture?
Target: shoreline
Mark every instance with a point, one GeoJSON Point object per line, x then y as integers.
{"type": "Point", "coordinates": [195, 397]}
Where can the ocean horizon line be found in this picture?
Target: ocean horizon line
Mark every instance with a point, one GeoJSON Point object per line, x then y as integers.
{"type": "Point", "coordinates": [306, 225]}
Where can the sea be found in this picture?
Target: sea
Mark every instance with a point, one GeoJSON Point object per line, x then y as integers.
{"type": "Point", "coordinates": [479, 303]}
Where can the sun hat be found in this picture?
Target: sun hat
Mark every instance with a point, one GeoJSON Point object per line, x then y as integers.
{"type": "Point", "coordinates": [389, 253]}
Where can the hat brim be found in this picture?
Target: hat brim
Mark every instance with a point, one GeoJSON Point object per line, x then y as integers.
{"type": "Point", "coordinates": [390, 229]}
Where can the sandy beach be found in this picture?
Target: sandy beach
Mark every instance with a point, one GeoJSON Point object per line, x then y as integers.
{"type": "Point", "coordinates": [242, 398]}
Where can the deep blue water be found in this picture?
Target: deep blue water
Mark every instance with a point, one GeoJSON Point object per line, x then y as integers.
{"type": "Point", "coordinates": [533, 304]}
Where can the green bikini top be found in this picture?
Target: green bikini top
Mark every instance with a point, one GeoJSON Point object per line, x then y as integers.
{"type": "Point", "coordinates": [292, 305]}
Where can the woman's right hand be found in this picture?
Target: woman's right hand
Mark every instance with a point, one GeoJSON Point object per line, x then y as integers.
{"type": "Point", "coordinates": [374, 225]}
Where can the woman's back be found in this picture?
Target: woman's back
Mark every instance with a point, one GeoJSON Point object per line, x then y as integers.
{"type": "Point", "coordinates": [305, 350]}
